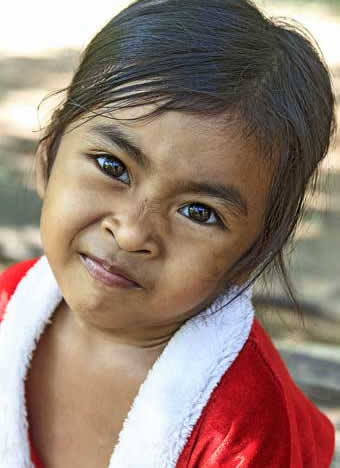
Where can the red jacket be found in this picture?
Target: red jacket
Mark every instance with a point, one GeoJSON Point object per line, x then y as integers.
{"type": "Point", "coordinates": [219, 395]}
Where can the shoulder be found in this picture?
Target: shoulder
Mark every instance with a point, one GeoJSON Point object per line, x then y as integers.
{"type": "Point", "coordinates": [257, 416]}
{"type": "Point", "coordinates": [9, 280]}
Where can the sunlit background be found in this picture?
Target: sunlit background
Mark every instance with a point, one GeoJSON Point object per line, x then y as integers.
{"type": "Point", "coordinates": [40, 43]}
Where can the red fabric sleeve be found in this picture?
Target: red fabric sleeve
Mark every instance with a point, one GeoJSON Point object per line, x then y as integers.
{"type": "Point", "coordinates": [254, 419]}
{"type": "Point", "coordinates": [9, 280]}
{"type": "Point", "coordinates": [245, 424]}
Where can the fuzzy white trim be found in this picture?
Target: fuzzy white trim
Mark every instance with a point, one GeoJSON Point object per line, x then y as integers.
{"type": "Point", "coordinates": [27, 314]}
{"type": "Point", "coordinates": [168, 403]}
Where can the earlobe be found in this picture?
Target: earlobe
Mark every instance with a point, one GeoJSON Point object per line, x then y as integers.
{"type": "Point", "coordinates": [41, 171]}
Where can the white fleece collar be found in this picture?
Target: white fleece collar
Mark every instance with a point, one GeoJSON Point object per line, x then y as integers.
{"type": "Point", "coordinates": [169, 401]}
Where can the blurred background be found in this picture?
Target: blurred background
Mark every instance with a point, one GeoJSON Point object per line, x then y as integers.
{"type": "Point", "coordinates": [40, 43]}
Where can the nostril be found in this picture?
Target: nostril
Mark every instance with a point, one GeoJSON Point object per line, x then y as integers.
{"type": "Point", "coordinates": [130, 238]}
{"type": "Point", "coordinates": [109, 231]}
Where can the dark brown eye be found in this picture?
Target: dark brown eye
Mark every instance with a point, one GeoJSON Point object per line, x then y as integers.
{"type": "Point", "coordinates": [200, 213]}
{"type": "Point", "coordinates": [113, 167]}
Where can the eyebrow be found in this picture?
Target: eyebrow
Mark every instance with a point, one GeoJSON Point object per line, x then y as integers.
{"type": "Point", "coordinates": [115, 135]}
{"type": "Point", "coordinates": [229, 195]}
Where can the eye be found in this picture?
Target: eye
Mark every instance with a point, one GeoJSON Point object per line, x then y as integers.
{"type": "Point", "coordinates": [201, 213]}
{"type": "Point", "coordinates": [113, 167]}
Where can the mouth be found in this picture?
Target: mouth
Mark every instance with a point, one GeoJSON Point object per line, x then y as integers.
{"type": "Point", "coordinates": [109, 274]}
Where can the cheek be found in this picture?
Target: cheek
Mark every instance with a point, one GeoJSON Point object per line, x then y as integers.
{"type": "Point", "coordinates": [57, 217]}
{"type": "Point", "coordinates": [193, 275]}
{"type": "Point", "coordinates": [68, 206]}
{"type": "Point", "coordinates": [200, 271]}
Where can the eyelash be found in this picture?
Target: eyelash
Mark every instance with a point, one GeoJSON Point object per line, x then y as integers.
{"type": "Point", "coordinates": [98, 157]}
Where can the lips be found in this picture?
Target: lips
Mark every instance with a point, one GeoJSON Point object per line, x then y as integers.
{"type": "Point", "coordinates": [107, 272]}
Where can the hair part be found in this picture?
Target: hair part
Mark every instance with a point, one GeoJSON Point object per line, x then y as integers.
{"type": "Point", "coordinates": [219, 58]}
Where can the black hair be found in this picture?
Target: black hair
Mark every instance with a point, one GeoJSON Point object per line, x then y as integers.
{"type": "Point", "coordinates": [216, 58]}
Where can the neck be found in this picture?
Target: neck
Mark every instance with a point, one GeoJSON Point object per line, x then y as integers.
{"type": "Point", "coordinates": [97, 343]}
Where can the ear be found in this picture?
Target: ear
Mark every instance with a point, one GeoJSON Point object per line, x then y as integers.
{"type": "Point", "coordinates": [41, 171]}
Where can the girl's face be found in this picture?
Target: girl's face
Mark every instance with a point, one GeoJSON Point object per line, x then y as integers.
{"type": "Point", "coordinates": [176, 212]}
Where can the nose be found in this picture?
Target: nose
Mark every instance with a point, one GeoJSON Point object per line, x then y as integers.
{"type": "Point", "coordinates": [134, 229]}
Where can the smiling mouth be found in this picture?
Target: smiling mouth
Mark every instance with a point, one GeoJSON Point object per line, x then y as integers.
{"type": "Point", "coordinates": [101, 273]}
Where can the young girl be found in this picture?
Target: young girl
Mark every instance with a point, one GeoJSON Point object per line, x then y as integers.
{"type": "Point", "coordinates": [172, 175]}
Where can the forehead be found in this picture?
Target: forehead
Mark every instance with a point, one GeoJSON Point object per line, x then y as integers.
{"type": "Point", "coordinates": [179, 146]}
{"type": "Point", "coordinates": [176, 132]}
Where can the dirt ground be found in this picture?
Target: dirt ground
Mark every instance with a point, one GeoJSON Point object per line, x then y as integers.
{"type": "Point", "coordinates": [41, 60]}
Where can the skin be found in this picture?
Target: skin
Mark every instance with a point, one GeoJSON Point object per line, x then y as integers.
{"type": "Point", "coordinates": [181, 264]}
{"type": "Point", "coordinates": [102, 340]}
